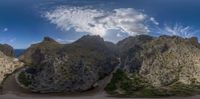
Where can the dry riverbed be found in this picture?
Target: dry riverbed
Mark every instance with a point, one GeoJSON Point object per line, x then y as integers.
{"type": "Point", "coordinates": [11, 90]}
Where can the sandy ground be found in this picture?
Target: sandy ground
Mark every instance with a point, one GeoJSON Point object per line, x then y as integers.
{"type": "Point", "coordinates": [11, 90]}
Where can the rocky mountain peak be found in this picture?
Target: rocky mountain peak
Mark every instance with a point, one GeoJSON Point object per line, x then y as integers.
{"type": "Point", "coordinates": [48, 39]}
{"type": "Point", "coordinates": [90, 38]}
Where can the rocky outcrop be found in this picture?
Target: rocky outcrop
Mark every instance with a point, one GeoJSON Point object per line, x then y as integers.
{"type": "Point", "coordinates": [7, 66]}
{"type": "Point", "coordinates": [35, 54]}
{"type": "Point", "coordinates": [171, 59]}
{"type": "Point", "coordinates": [130, 50]}
{"type": "Point", "coordinates": [157, 67]}
{"type": "Point", "coordinates": [74, 67]}
{"type": "Point", "coordinates": [7, 50]}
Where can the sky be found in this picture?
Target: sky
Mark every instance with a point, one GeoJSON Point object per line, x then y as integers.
{"type": "Point", "coordinates": [25, 22]}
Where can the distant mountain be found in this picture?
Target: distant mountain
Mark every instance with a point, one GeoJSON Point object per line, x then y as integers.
{"type": "Point", "coordinates": [163, 66]}
{"type": "Point", "coordinates": [74, 67]}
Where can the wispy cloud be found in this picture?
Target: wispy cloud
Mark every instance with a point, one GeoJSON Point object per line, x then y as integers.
{"type": "Point", "coordinates": [7, 40]}
{"type": "Point", "coordinates": [12, 40]}
{"type": "Point", "coordinates": [177, 30]}
{"type": "Point", "coordinates": [5, 29]}
{"type": "Point", "coordinates": [63, 41]}
{"type": "Point", "coordinates": [154, 21]}
{"type": "Point", "coordinates": [99, 22]}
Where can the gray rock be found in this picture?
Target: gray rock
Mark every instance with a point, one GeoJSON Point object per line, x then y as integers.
{"type": "Point", "coordinates": [72, 67]}
{"type": "Point", "coordinates": [7, 50]}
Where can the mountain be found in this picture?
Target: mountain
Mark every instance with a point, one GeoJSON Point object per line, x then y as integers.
{"type": "Point", "coordinates": [163, 66]}
{"type": "Point", "coordinates": [7, 49]}
{"type": "Point", "coordinates": [75, 67]}
{"type": "Point", "coordinates": [7, 66]}
{"type": "Point", "coordinates": [35, 54]}
{"type": "Point", "coordinates": [130, 51]}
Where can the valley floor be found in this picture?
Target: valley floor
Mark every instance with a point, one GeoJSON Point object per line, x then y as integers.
{"type": "Point", "coordinates": [12, 96]}
{"type": "Point", "coordinates": [11, 90]}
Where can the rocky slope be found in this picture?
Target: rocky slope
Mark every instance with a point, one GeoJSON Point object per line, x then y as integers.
{"type": "Point", "coordinates": [157, 67]}
{"type": "Point", "coordinates": [7, 66]}
{"type": "Point", "coordinates": [76, 67]}
{"type": "Point", "coordinates": [35, 54]}
{"type": "Point", "coordinates": [7, 50]}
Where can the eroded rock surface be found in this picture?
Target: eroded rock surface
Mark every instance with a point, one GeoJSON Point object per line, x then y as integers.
{"type": "Point", "coordinates": [8, 65]}
{"type": "Point", "coordinates": [7, 50]}
{"type": "Point", "coordinates": [75, 67]}
{"type": "Point", "coordinates": [157, 67]}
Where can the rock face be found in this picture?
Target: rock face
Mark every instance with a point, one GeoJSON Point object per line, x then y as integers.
{"type": "Point", "coordinates": [7, 66]}
{"type": "Point", "coordinates": [170, 59]}
{"type": "Point", "coordinates": [74, 67]}
{"type": "Point", "coordinates": [157, 67]}
{"type": "Point", "coordinates": [38, 52]}
{"type": "Point", "coordinates": [7, 50]}
{"type": "Point", "coordinates": [130, 50]}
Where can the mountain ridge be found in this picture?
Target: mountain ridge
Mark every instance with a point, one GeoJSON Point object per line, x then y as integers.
{"type": "Point", "coordinates": [162, 66]}
{"type": "Point", "coordinates": [67, 67]}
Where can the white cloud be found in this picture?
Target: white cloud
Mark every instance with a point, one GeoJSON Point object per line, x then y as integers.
{"type": "Point", "coordinates": [178, 30]}
{"type": "Point", "coordinates": [5, 29]}
{"type": "Point", "coordinates": [99, 22]}
{"type": "Point", "coordinates": [154, 21]}
{"type": "Point", "coordinates": [64, 40]}
{"type": "Point", "coordinates": [119, 35]}
{"type": "Point", "coordinates": [12, 40]}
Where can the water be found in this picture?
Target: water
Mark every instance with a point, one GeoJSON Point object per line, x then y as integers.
{"type": "Point", "coordinates": [18, 52]}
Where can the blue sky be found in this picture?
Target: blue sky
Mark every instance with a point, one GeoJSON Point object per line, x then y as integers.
{"type": "Point", "coordinates": [23, 22]}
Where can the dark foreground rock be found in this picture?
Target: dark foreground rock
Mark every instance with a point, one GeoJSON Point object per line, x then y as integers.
{"type": "Point", "coordinates": [164, 66]}
{"type": "Point", "coordinates": [76, 67]}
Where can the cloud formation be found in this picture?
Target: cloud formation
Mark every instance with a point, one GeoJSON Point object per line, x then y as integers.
{"type": "Point", "coordinates": [178, 30]}
{"type": "Point", "coordinates": [5, 29]}
{"type": "Point", "coordinates": [64, 41]}
{"type": "Point", "coordinates": [99, 22]}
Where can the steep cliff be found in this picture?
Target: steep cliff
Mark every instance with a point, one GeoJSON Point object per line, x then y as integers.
{"type": "Point", "coordinates": [7, 66]}
{"type": "Point", "coordinates": [160, 66]}
{"type": "Point", "coordinates": [7, 50]}
{"type": "Point", "coordinates": [71, 67]}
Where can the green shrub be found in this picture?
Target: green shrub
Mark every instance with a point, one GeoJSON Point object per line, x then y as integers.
{"type": "Point", "coordinates": [24, 79]}
{"type": "Point", "coordinates": [133, 85]}
{"type": "Point", "coordinates": [180, 89]}
{"type": "Point", "coordinates": [127, 84]}
{"type": "Point", "coordinates": [117, 78]}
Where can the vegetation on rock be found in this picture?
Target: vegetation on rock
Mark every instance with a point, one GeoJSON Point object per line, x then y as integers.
{"type": "Point", "coordinates": [163, 66]}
